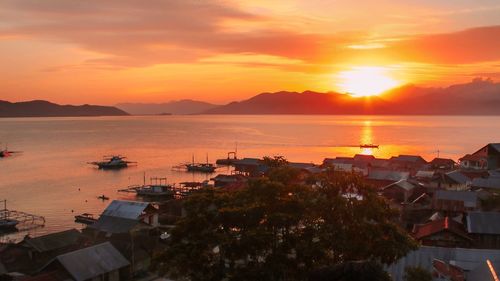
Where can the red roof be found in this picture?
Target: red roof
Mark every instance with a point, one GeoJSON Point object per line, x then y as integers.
{"type": "Point", "coordinates": [472, 157]}
{"type": "Point", "coordinates": [442, 161]}
{"type": "Point", "coordinates": [445, 224]}
{"type": "Point", "coordinates": [441, 268]}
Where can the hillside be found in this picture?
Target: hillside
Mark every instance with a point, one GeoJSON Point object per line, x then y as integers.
{"type": "Point", "coordinates": [479, 97]}
{"type": "Point", "coordinates": [40, 108]}
{"type": "Point", "coordinates": [173, 107]}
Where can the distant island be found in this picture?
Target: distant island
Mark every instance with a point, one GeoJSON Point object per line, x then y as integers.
{"type": "Point", "coordinates": [40, 108]}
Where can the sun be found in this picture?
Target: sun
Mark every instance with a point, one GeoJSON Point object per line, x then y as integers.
{"type": "Point", "coordinates": [365, 81]}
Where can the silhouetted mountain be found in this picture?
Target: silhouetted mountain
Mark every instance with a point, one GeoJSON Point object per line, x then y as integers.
{"type": "Point", "coordinates": [40, 108]}
{"type": "Point", "coordinates": [173, 107]}
{"type": "Point", "coordinates": [479, 97]}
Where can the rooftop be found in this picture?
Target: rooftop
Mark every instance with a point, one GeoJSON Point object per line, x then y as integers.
{"type": "Point", "coordinates": [53, 241]}
{"type": "Point", "coordinates": [93, 261]}
{"type": "Point", "coordinates": [483, 222]}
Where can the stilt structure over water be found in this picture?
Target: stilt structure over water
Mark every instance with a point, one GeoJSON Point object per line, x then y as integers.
{"type": "Point", "coordinates": [12, 220]}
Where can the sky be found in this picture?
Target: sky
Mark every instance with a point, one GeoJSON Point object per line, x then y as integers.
{"type": "Point", "coordinates": [107, 52]}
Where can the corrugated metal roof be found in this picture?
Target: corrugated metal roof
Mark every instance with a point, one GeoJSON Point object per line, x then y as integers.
{"type": "Point", "coordinates": [468, 197]}
{"type": "Point", "coordinates": [423, 257]}
{"type": "Point", "coordinates": [93, 261]}
{"type": "Point", "coordinates": [490, 182]}
{"type": "Point", "coordinates": [388, 175]}
{"type": "Point", "coordinates": [483, 272]}
{"type": "Point", "coordinates": [458, 177]}
{"type": "Point", "coordinates": [404, 184]}
{"type": "Point", "coordinates": [111, 224]}
{"type": "Point", "coordinates": [425, 174]}
{"type": "Point", "coordinates": [125, 209]}
{"type": "Point", "coordinates": [54, 241]}
{"type": "Point", "coordinates": [408, 158]}
{"type": "Point", "coordinates": [483, 222]}
{"type": "Point", "coordinates": [496, 146]}
{"type": "Point", "coordinates": [248, 161]}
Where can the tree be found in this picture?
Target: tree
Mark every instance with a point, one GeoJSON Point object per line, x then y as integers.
{"type": "Point", "coordinates": [279, 229]}
{"type": "Point", "coordinates": [415, 273]}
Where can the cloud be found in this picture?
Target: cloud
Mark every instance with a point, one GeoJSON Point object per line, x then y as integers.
{"type": "Point", "coordinates": [133, 33]}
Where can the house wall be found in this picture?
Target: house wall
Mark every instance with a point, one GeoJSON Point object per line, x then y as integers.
{"type": "Point", "coordinates": [445, 239]}
{"type": "Point", "coordinates": [486, 241]}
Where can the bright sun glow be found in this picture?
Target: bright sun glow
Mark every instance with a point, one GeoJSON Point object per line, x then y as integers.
{"type": "Point", "coordinates": [366, 81]}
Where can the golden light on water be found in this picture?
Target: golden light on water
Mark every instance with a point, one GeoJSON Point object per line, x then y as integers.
{"type": "Point", "coordinates": [366, 137]}
{"type": "Point", "coordinates": [365, 81]}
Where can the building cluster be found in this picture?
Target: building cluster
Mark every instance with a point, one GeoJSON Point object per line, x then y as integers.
{"type": "Point", "coordinates": [452, 209]}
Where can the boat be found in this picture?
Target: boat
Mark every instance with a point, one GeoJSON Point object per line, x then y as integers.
{"type": "Point", "coordinates": [6, 223]}
{"type": "Point", "coordinates": [103, 197]}
{"type": "Point", "coordinates": [112, 162]}
{"type": "Point", "coordinates": [85, 218]}
{"type": "Point", "coordinates": [201, 167]}
{"type": "Point", "coordinates": [158, 187]}
{"type": "Point", "coordinates": [368, 145]}
{"type": "Point", "coordinates": [6, 152]}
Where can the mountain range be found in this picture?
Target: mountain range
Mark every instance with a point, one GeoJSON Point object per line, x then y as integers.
{"type": "Point", "coordinates": [40, 108]}
{"type": "Point", "coordinates": [173, 107]}
{"type": "Point", "coordinates": [479, 97]}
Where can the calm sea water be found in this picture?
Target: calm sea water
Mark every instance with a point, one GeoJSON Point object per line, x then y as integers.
{"type": "Point", "coordinates": [51, 177]}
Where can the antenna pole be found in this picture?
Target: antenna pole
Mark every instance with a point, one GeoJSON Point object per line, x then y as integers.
{"type": "Point", "coordinates": [144, 178]}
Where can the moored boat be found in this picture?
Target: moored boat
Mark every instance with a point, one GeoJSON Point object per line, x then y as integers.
{"type": "Point", "coordinates": [158, 187]}
{"type": "Point", "coordinates": [85, 218]}
{"type": "Point", "coordinates": [369, 145]}
{"type": "Point", "coordinates": [112, 162]}
{"type": "Point", "coordinates": [200, 167]}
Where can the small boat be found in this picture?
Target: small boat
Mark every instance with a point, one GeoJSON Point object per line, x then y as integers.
{"type": "Point", "coordinates": [158, 187]}
{"type": "Point", "coordinates": [6, 152]}
{"type": "Point", "coordinates": [200, 167]}
{"type": "Point", "coordinates": [369, 145]}
{"type": "Point", "coordinates": [85, 218]}
{"type": "Point", "coordinates": [112, 162]}
{"type": "Point", "coordinates": [103, 197]}
{"type": "Point", "coordinates": [6, 223]}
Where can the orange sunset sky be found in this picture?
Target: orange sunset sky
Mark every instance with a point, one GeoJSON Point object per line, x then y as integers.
{"type": "Point", "coordinates": [105, 52]}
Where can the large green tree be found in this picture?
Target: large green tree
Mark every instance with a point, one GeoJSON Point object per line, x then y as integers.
{"type": "Point", "coordinates": [280, 229]}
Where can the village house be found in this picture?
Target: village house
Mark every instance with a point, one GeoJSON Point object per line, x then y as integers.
{"type": "Point", "coordinates": [455, 201]}
{"type": "Point", "coordinates": [486, 158]}
{"type": "Point", "coordinates": [98, 262]}
{"type": "Point", "coordinates": [443, 164]}
{"type": "Point", "coordinates": [253, 167]}
{"type": "Point", "coordinates": [399, 191]}
{"type": "Point", "coordinates": [484, 228]}
{"type": "Point", "coordinates": [30, 254]}
{"type": "Point", "coordinates": [410, 163]}
{"type": "Point", "coordinates": [476, 264]}
{"type": "Point", "coordinates": [360, 163]}
{"type": "Point", "coordinates": [381, 178]}
{"type": "Point", "coordinates": [489, 183]}
{"type": "Point", "coordinates": [222, 180]}
{"type": "Point", "coordinates": [444, 232]}
{"type": "Point", "coordinates": [132, 229]}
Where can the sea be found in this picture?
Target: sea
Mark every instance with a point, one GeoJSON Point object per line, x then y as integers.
{"type": "Point", "coordinates": [51, 177]}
